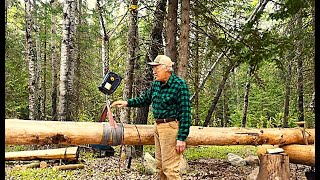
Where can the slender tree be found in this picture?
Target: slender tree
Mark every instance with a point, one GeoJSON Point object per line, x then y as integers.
{"type": "Point", "coordinates": [300, 71]}
{"type": "Point", "coordinates": [132, 57]}
{"type": "Point", "coordinates": [67, 60]}
{"type": "Point", "coordinates": [38, 61]}
{"type": "Point", "coordinates": [246, 96]}
{"type": "Point", "coordinates": [31, 62]}
{"type": "Point", "coordinates": [54, 93]}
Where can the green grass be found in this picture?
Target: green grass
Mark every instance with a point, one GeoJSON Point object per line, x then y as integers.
{"type": "Point", "coordinates": [219, 152]}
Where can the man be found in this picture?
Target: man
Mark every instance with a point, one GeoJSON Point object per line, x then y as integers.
{"type": "Point", "coordinates": [170, 99]}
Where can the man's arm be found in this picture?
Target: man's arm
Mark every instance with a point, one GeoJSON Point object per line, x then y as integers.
{"type": "Point", "coordinates": [184, 113]}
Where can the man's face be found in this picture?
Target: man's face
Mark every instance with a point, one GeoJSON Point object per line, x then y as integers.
{"type": "Point", "coordinates": [159, 72]}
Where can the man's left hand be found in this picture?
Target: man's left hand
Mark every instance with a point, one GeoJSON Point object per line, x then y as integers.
{"type": "Point", "coordinates": [181, 146]}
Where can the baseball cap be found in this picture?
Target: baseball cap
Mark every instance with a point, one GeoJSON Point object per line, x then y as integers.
{"type": "Point", "coordinates": [161, 59]}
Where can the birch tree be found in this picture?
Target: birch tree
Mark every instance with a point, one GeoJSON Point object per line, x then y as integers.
{"type": "Point", "coordinates": [67, 60]}
{"type": "Point", "coordinates": [38, 60]}
{"type": "Point", "coordinates": [31, 62]}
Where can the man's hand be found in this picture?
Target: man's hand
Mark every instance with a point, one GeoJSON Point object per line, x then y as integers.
{"type": "Point", "coordinates": [119, 104]}
{"type": "Point", "coordinates": [181, 146]}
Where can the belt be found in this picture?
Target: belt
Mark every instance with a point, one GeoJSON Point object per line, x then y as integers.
{"type": "Point", "coordinates": [159, 121]}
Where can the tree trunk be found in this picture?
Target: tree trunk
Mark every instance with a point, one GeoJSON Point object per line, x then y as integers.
{"type": "Point", "coordinates": [182, 69]}
{"type": "Point", "coordinates": [132, 57]}
{"type": "Point", "coordinates": [217, 96]}
{"type": "Point", "coordinates": [287, 96]}
{"type": "Point", "coordinates": [225, 106]}
{"type": "Point", "coordinates": [196, 73]}
{"type": "Point", "coordinates": [67, 61]}
{"type": "Point", "coordinates": [75, 133]}
{"type": "Point", "coordinates": [274, 166]}
{"type": "Point", "coordinates": [300, 72]}
{"type": "Point", "coordinates": [31, 62]}
{"type": "Point", "coordinates": [298, 154]}
{"type": "Point", "coordinates": [45, 70]}
{"type": "Point", "coordinates": [246, 96]}
{"type": "Point", "coordinates": [68, 153]}
{"type": "Point", "coordinates": [78, 62]}
{"type": "Point", "coordinates": [54, 93]}
{"type": "Point", "coordinates": [171, 31]}
{"type": "Point", "coordinates": [38, 60]}
{"type": "Point", "coordinates": [69, 166]}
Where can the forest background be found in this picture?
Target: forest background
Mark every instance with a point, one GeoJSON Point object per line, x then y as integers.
{"type": "Point", "coordinates": [248, 63]}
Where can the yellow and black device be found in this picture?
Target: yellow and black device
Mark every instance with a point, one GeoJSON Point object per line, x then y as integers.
{"type": "Point", "coordinates": [110, 83]}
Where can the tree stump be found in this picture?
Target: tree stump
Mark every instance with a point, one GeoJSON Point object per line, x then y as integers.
{"type": "Point", "coordinates": [274, 167]}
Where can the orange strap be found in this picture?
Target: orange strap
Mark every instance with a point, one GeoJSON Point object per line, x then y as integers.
{"type": "Point", "coordinates": [103, 117]}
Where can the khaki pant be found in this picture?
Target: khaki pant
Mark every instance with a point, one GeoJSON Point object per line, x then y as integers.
{"type": "Point", "coordinates": [167, 159]}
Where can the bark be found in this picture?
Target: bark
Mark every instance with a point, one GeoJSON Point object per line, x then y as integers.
{"type": "Point", "coordinates": [171, 30]}
{"type": "Point", "coordinates": [252, 18]}
{"type": "Point", "coordinates": [54, 63]}
{"type": "Point", "coordinates": [182, 68]}
{"type": "Point", "coordinates": [68, 153]}
{"type": "Point", "coordinates": [214, 102]}
{"type": "Point", "coordinates": [38, 60]}
{"type": "Point", "coordinates": [274, 166]}
{"type": "Point", "coordinates": [76, 133]}
{"type": "Point", "coordinates": [300, 73]}
{"type": "Point", "coordinates": [132, 57]}
{"type": "Point", "coordinates": [246, 96]}
{"type": "Point", "coordinates": [298, 154]}
{"type": "Point", "coordinates": [31, 62]}
{"type": "Point", "coordinates": [67, 61]}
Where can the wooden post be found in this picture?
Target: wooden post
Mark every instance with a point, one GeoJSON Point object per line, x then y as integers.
{"type": "Point", "coordinates": [274, 166]}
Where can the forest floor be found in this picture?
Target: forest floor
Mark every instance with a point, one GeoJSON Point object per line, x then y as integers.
{"type": "Point", "coordinates": [113, 167]}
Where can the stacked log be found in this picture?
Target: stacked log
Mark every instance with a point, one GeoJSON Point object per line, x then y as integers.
{"type": "Point", "coordinates": [298, 154]}
{"type": "Point", "coordinates": [68, 153]}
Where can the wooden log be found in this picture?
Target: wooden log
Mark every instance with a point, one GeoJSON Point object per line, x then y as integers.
{"type": "Point", "coordinates": [77, 133]}
{"type": "Point", "coordinates": [274, 166]}
{"type": "Point", "coordinates": [68, 153]}
{"type": "Point", "coordinates": [27, 166]}
{"type": "Point", "coordinates": [298, 154]}
{"type": "Point", "coordinates": [69, 166]}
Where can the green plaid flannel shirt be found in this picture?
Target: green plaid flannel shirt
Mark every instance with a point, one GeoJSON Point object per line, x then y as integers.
{"type": "Point", "coordinates": [169, 100]}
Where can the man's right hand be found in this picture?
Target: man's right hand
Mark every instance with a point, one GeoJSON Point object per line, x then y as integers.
{"type": "Point", "coordinates": [119, 104]}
